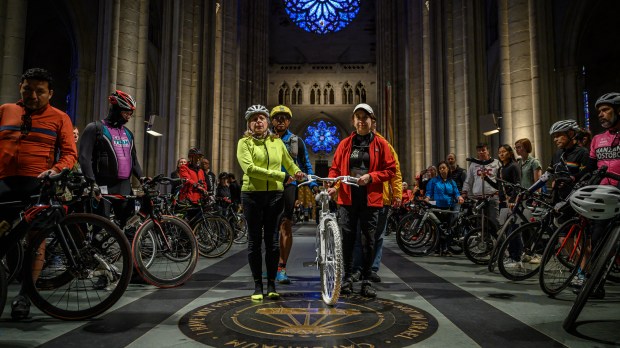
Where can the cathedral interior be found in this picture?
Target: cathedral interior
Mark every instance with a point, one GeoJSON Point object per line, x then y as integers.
{"type": "Point", "coordinates": [439, 74]}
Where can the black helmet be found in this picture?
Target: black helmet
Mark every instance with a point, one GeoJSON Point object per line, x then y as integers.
{"type": "Point", "coordinates": [222, 175]}
{"type": "Point", "coordinates": [194, 151]}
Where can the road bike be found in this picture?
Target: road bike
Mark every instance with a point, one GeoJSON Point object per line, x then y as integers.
{"type": "Point", "coordinates": [68, 255]}
{"type": "Point", "coordinates": [329, 242]}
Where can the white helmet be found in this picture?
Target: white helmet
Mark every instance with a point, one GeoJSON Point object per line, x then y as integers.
{"type": "Point", "coordinates": [256, 109]}
{"type": "Point", "coordinates": [612, 98]}
{"type": "Point", "coordinates": [564, 126]}
{"type": "Point", "coordinates": [597, 202]}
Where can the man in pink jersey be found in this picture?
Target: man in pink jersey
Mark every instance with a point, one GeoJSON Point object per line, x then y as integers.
{"type": "Point", "coordinates": [605, 151]}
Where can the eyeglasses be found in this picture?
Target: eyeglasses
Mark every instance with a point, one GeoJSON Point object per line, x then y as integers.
{"type": "Point", "coordinates": [26, 125]}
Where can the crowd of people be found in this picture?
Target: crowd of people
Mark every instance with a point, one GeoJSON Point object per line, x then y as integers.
{"type": "Point", "coordinates": [39, 139]}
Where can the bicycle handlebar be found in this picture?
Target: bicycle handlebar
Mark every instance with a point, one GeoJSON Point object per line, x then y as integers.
{"type": "Point", "coordinates": [349, 180]}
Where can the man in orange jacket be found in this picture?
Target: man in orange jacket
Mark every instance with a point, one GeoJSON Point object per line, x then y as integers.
{"type": "Point", "coordinates": [31, 133]}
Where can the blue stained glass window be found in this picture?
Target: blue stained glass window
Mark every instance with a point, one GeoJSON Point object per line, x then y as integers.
{"type": "Point", "coordinates": [322, 16]}
{"type": "Point", "coordinates": [322, 137]}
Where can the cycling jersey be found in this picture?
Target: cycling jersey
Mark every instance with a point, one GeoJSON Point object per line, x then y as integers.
{"type": "Point", "coordinates": [605, 151]}
{"type": "Point", "coordinates": [31, 154]}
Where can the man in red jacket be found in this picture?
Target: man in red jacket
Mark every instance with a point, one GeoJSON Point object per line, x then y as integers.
{"type": "Point", "coordinates": [368, 158]}
{"type": "Point", "coordinates": [194, 186]}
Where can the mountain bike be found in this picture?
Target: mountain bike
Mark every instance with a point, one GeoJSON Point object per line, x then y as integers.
{"type": "Point", "coordinates": [67, 256]}
{"type": "Point", "coordinates": [329, 242]}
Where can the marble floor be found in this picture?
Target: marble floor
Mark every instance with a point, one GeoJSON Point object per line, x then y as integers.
{"type": "Point", "coordinates": [427, 301]}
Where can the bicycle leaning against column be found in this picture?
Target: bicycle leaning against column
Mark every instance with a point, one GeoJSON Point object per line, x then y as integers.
{"type": "Point", "coordinates": [329, 242]}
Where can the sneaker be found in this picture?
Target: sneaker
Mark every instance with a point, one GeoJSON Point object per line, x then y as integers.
{"type": "Point", "coordinates": [281, 277]}
{"type": "Point", "coordinates": [535, 260]}
{"type": "Point", "coordinates": [271, 291]}
{"type": "Point", "coordinates": [347, 287]}
{"type": "Point", "coordinates": [513, 264]}
{"type": "Point", "coordinates": [20, 307]}
{"type": "Point", "coordinates": [368, 290]}
{"type": "Point", "coordinates": [374, 277]}
{"type": "Point", "coordinates": [577, 281]}
{"type": "Point", "coordinates": [258, 292]}
{"type": "Point", "coordinates": [356, 276]}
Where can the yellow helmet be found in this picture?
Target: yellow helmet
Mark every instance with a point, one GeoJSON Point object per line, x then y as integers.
{"type": "Point", "coordinates": [281, 109]}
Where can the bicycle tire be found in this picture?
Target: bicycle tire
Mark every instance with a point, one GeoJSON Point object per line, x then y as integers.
{"type": "Point", "coordinates": [478, 246]}
{"type": "Point", "coordinates": [241, 229]}
{"type": "Point", "coordinates": [92, 260]}
{"type": "Point", "coordinates": [504, 231]}
{"type": "Point", "coordinates": [607, 250]}
{"type": "Point", "coordinates": [560, 260]}
{"type": "Point", "coordinates": [176, 252]}
{"type": "Point", "coordinates": [330, 262]}
{"type": "Point", "coordinates": [530, 234]}
{"type": "Point", "coordinates": [4, 284]}
{"type": "Point", "coordinates": [214, 236]}
{"type": "Point", "coordinates": [12, 262]}
{"type": "Point", "coordinates": [416, 240]}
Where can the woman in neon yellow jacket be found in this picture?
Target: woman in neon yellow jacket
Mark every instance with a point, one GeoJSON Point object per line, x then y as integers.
{"type": "Point", "coordinates": [262, 156]}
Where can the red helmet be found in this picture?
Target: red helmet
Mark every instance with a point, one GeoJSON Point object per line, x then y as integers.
{"type": "Point", "coordinates": [122, 100]}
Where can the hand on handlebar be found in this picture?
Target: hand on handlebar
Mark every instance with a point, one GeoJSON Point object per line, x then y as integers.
{"type": "Point", "coordinates": [50, 171]}
{"type": "Point", "coordinates": [364, 180]}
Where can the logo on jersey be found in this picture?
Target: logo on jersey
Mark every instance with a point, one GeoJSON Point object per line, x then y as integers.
{"type": "Point", "coordinates": [118, 141]}
{"type": "Point", "coordinates": [608, 152]}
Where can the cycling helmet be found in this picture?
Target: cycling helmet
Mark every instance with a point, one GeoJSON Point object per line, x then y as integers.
{"type": "Point", "coordinates": [122, 100]}
{"type": "Point", "coordinates": [256, 109]}
{"type": "Point", "coordinates": [564, 126]}
{"type": "Point", "coordinates": [281, 109]}
{"type": "Point", "coordinates": [597, 202]}
{"type": "Point", "coordinates": [194, 151]}
{"type": "Point", "coordinates": [612, 98]}
{"type": "Point", "coordinates": [367, 108]}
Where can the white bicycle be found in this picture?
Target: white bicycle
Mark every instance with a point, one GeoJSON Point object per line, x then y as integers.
{"type": "Point", "coordinates": [329, 242]}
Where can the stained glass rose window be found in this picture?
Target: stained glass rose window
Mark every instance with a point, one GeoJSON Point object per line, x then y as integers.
{"type": "Point", "coordinates": [322, 16]}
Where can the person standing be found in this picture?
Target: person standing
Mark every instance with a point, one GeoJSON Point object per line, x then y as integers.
{"type": "Point", "coordinates": [367, 157]}
{"type": "Point", "coordinates": [175, 175]}
{"type": "Point", "coordinates": [443, 191]}
{"type": "Point", "coordinates": [235, 190]}
{"type": "Point", "coordinates": [211, 181]}
{"type": "Point", "coordinates": [281, 121]}
{"type": "Point", "coordinates": [36, 140]}
{"type": "Point", "coordinates": [261, 156]}
{"type": "Point", "coordinates": [392, 197]}
{"type": "Point", "coordinates": [107, 153]}
{"type": "Point", "coordinates": [458, 174]}
{"type": "Point", "coordinates": [193, 186]}
{"type": "Point", "coordinates": [476, 186]}
{"type": "Point", "coordinates": [529, 165]}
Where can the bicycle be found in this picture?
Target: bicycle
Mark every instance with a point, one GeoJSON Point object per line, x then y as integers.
{"type": "Point", "coordinates": [479, 242]}
{"type": "Point", "coordinates": [419, 233]}
{"type": "Point", "coordinates": [91, 249]}
{"type": "Point", "coordinates": [597, 202]}
{"type": "Point", "coordinates": [213, 232]}
{"type": "Point", "coordinates": [164, 248]}
{"type": "Point", "coordinates": [564, 254]}
{"type": "Point", "coordinates": [329, 242]}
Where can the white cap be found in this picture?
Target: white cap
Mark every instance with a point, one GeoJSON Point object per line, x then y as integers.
{"type": "Point", "coordinates": [365, 107]}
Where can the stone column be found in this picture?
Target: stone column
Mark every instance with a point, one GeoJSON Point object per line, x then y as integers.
{"type": "Point", "coordinates": [12, 41]}
{"type": "Point", "coordinates": [521, 60]}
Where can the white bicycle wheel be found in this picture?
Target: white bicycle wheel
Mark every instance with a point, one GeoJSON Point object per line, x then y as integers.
{"type": "Point", "coordinates": [330, 261]}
